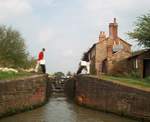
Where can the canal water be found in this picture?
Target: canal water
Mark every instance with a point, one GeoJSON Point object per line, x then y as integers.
{"type": "Point", "coordinates": [59, 109]}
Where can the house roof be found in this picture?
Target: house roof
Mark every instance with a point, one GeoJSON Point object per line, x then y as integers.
{"type": "Point", "coordinates": [125, 41]}
{"type": "Point", "coordinates": [139, 52]}
{"type": "Point", "coordinates": [90, 49]}
{"type": "Point", "coordinates": [93, 46]}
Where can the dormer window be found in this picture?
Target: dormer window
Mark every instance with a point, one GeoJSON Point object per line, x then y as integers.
{"type": "Point", "coordinates": [117, 47]}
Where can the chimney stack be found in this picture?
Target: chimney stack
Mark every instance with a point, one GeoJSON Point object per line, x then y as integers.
{"type": "Point", "coordinates": [113, 29]}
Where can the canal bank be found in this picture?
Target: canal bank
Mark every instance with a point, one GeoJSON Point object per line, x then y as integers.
{"type": "Point", "coordinates": [22, 94]}
{"type": "Point", "coordinates": [59, 109]}
{"type": "Point", "coordinates": [110, 97]}
{"type": "Point", "coordinates": [91, 92]}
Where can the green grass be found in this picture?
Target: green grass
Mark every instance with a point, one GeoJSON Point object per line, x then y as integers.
{"type": "Point", "coordinates": [142, 83]}
{"type": "Point", "coordinates": [12, 75]}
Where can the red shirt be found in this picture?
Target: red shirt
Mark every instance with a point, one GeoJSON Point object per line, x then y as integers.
{"type": "Point", "coordinates": [41, 56]}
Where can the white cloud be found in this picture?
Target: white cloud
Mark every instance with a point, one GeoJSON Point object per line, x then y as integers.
{"type": "Point", "coordinates": [67, 28]}
{"type": "Point", "coordinates": [94, 5]}
{"type": "Point", "coordinates": [68, 53]}
{"type": "Point", "coordinates": [107, 5]}
{"type": "Point", "coordinates": [14, 8]}
{"type": "Point", "coordinates": [48, 35]}
{"type": "Point", "coordinates": [45, 35]}
{"type": "Point", "coordinates": [47, 2]}
{"type": "Point", "coordinates": [43, 3]}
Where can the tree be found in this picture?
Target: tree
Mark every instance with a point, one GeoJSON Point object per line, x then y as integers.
{"type": "Point", "coordinates": [59, 74]}
{"type": "Point", "coordinates": [141, 31]}
{"type": "Point", "coordinates": [69, 74]}
{"type": "Point", "coordinates": [30, 62]}
{"type": "Point", "coordinates": [12, 48]}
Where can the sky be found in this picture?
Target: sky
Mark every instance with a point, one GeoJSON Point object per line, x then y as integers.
{"type": "Point", "coordinates": [67, 28]}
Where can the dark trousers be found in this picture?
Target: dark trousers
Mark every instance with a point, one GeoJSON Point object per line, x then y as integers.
{"type": "Point", "coordinates": [43, 68]}
{"type": "Point", "coordinates": [80, 69]}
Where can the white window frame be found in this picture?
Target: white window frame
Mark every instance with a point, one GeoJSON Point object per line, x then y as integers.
{"type": "Point", "coordinates": [136, 63]}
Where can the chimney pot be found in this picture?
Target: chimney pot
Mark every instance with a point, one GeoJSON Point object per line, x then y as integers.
{"type": "Point", "coordinates": [102, 36]}
{"type": "Point", "coordinates": [115, 20]}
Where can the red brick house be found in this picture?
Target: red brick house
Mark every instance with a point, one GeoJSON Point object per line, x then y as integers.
{"type": "Point", "coordinates": [107, 51]}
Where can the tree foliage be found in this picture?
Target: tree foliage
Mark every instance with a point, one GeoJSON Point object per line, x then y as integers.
{"type": "Point", "coordinates": [141, 31]}
{"type": "Point", "coordinates": [59, 74]}
{"type": "Point", "coordinates": [12, 48]}
{"type": "Point", "coordinates": [30, 62]}
{"type": "Point", "coordinates": [69, 73]}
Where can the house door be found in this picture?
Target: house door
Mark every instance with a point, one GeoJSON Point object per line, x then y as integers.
{"type": "Point", "coordinates": [104, 66]}
{"type": "Point", "coordinates": [146, 67]}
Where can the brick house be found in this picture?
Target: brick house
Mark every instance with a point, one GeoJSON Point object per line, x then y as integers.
{"type": "Point", "coordinates": [139, 63]}
{"type": "Point", "coordinates": [107, 51]}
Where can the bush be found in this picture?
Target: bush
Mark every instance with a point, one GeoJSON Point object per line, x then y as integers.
{"type": "Point", "coordinates": [147, 78]}
{"type": "Point", "coordinates": [92, 70]}
{"type": "Point", "coordinates": [134, 74]}
{"type": "Point", "coordinates": [120, 68]}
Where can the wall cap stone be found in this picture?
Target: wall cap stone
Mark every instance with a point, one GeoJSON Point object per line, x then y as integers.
{"type": "Point", "coordinates": [24, 78]}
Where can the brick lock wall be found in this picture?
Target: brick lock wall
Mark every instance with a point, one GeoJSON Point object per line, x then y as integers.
{"type": "Point", "coordinates": [113, 97]}
{"type": "Point", "coordinates": [22, 94]}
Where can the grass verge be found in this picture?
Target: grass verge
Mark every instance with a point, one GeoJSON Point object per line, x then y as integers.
{"type": "Point", "coordinates": [131, 81]}
{"type": "Point", "coordinates": [12, 75]}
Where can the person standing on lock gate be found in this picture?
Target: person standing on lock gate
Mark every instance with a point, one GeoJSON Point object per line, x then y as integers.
{"type": "Point", "coordinates": [41, 61]}
{"type": "Point", "coordinates": [84, 64]}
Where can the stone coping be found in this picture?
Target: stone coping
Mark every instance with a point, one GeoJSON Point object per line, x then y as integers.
{"type": "Point", "coordinates": [23, 78]}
